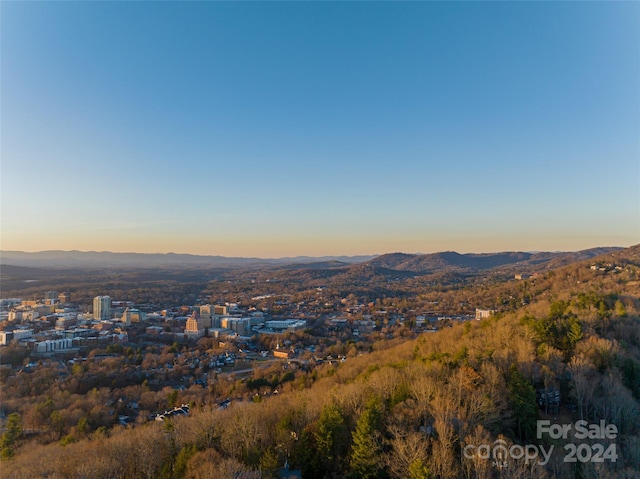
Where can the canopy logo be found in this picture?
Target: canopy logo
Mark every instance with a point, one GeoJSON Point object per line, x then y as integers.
{"type": "Point", "coordinates": [500, 452]}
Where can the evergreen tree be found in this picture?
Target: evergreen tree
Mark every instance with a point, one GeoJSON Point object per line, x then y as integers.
{"type": "Point", "coordinates": [13, 432]}
{"type": "Point", "coordinates": [522, 397]}
{"type": "Point", "coordinates": [269, 464]}
{"type": "Point", "coordinates": [418, 470]}
{"type": "Point", "coordinates": [366, 452]}
{"type": "Point", "coordinates": [332, 440]}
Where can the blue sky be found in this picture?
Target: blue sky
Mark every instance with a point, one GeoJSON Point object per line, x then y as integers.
{"type": "Point", "coordinates": [283, 128]}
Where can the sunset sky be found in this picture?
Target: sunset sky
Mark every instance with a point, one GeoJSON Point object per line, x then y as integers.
{"type": "Point", "coordinates": [281, 128]}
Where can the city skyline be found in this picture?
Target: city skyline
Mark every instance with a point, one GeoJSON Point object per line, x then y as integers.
{"type": "Point", "coordinates": [286, 129]}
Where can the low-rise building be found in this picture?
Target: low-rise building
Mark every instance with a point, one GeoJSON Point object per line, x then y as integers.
{"type": "Point", "coordinates": [65, 322]}
{"type": "Point", "coordinates": [286, 324]}
{"type": "Point", "coordinates": [237, 325]}
{"type": "Point", "coordinates": [5, 337]}
{"type": "Point", "coordinates": [16, 335]}
{"type": "Point", "coordinates": [484, 313]}
{"type": "Point", "coordinates": [283, 353]}
{"type": "Point", "coordinates": [153, 329]}
{"type": "Point", "coordinates": [132, 315]}
{"type": "Point", "coordinates": [220, 310]}
{"type": "Point", "coordinates": [53, 345]}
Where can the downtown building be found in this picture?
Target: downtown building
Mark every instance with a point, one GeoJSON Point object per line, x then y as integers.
{"type": "Point", "coordinates": [101, 308]}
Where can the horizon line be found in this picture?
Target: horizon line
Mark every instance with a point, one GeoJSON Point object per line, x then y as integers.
{"type": "Point", "coordinates": [2, 251]}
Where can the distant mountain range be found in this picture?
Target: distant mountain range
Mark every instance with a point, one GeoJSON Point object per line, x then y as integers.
{"type": "Point", "coordinates": [105, 259]}
{"type": "Point", "coordinates": [415, 263]}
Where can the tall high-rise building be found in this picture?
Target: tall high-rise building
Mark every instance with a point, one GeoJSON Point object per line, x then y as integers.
{"type": "Point", "coordinates": [192, 328]}
{"type": "Point", "coordinates": [102, 307]}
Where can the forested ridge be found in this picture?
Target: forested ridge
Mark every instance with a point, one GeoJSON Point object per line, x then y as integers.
{"type": "Point", "coordinates": [407, 409]}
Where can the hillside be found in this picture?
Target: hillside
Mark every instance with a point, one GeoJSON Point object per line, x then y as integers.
{"type": "Point", "coordinates": [451, 260]}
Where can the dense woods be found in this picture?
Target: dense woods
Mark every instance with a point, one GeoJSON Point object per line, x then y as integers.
{"type": "Point", "coordinates": [406, 408]}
